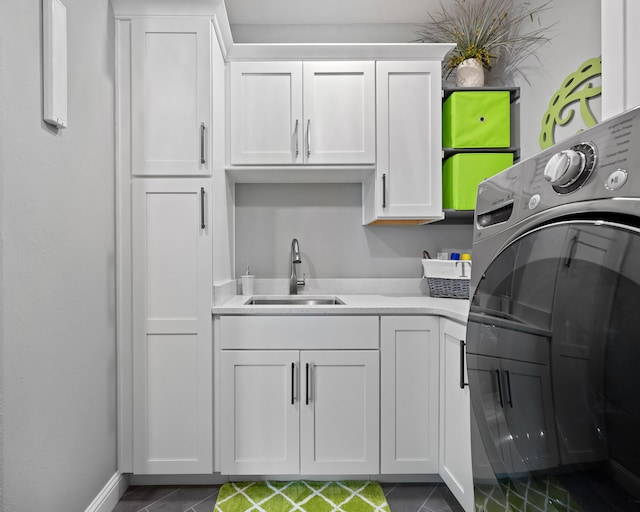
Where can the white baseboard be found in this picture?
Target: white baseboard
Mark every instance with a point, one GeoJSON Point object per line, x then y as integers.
{"type": "Point", "coordinates": [108, 497]}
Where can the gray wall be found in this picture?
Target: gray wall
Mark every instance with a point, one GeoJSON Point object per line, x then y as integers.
{"type": "Point", "coordinates": [327, 220]}
{"type": "Point", "coordinates": [58, 387]}
{"type": "Point", "coordinates": [575, 39]}
{"type": "Point", "coordinates": [343, 33]}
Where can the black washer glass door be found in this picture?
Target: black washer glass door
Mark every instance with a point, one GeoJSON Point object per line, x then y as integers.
{"type": "Point", "coordinates": [553, 354]}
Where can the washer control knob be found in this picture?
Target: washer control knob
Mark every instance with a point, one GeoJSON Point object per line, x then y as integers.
{"type": "Point", "coordinates": [564, 167]}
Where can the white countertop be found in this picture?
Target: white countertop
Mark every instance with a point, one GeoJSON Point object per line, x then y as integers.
{"type": "Point", "coordinates": [364, 304]}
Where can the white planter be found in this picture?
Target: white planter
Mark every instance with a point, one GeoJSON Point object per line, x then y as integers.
{"type": "Point", "coordinates": [470, 73]}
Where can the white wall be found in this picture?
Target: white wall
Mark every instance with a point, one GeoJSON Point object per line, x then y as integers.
{"type": "Point", "coordinates": [327, 220]}
{"type": "Point", "coordinates": [58, 307]}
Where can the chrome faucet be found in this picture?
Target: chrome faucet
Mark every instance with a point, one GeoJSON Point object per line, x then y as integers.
{"type": "Point", "coordinates": [294, 259]}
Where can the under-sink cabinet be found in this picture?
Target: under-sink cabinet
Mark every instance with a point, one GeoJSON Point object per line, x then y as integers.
{"type": "Point", "coordinates": [298, 113]}
{"type": "Point", "coordinates": [314, 410]}
{"type": "Point", "coordinates": [409, 394]}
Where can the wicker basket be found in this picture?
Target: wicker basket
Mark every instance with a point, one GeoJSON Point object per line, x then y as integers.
{"type": "Point", "coordinates": [445, 278]}
{"type": "Point", "coordinates": [448, 288]}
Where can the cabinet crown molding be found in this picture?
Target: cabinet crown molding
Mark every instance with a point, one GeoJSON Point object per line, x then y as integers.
{"type": "Point", "coordinates": [339, 51]}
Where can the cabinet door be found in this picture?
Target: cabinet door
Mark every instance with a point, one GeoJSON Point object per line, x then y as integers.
{"type": "Point", "coordinates": [486, 374]}
{"type": "Point", "coordinates": [455, 416]}
{"type": "Point", "coordinates": [170, 96]}
{"type": "Point", "coordinates": [408, 169]}
{"type": "Point", "coordinates": [266, 113]}
{"type": "Point", "coordinates": [529, 413]}
{"type": "Point", "coordinates": [172, 352]}
{"type": "Point", "coordinates": [339, 112]}
{"type": "Point", "coordinates": [409, 396]}
{"type": "Point", "coordinates": [516, 397]}
{"type": "Point", "coordinates": [259, 412]}
{"type": "Point", "coordinates": [339, 412]}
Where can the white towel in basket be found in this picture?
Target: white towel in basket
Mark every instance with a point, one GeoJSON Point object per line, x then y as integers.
{"type": "Point", "coordinates": [446, 269]}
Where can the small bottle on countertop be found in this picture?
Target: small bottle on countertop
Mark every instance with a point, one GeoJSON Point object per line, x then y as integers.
{"type": "Point", "coordinates": [248, 282]}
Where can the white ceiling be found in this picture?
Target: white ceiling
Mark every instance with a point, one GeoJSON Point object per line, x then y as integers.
{"type": "Point", "coordinates": [328, 12]}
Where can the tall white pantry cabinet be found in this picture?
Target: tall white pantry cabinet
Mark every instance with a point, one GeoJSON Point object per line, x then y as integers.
{"type": "Point", "coordinates": [164, 113]}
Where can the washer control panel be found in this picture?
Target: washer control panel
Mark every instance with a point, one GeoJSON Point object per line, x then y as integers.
{"type": "Point", "coordinates": [569, 169]}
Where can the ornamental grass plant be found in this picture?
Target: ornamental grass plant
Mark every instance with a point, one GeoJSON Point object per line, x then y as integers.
{"type": "Point", "coordinates": [505, 31]}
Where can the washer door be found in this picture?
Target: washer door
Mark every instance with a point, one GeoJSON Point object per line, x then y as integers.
{"type": "Point", "coordinates": [553, 351]}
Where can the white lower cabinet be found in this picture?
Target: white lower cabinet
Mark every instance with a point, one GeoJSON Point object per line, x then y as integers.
{"type": "Point", "coordinates": [308, 412]}
{"type": "Point", "coordinates": [172, 349]}
{"type": "Point", "coordinates": [321, 395]}
{"type": "Point", "coordinates": [299, 395]}
{"type": "Point", "coordinates": [409, 394]}
{"type": "Point", "coordinates": [260, 428]}
{"type": "Point", "coordinates": [455, 415]}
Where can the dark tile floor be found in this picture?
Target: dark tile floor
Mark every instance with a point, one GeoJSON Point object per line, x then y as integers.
{"type": "Point", "coordinates": [401, 498]}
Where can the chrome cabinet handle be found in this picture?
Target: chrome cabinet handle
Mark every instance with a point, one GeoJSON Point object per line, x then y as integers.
{"type": "Point", "coordinates": [307, 386]}
{"type": "Point", "coordinates": [293, 383]}
{"type": "Point", "coordinates": [308, 138]}
{"type": "Point", "coordinates": [384, 192]}
{"type": "Point", "coordinates": [462, 382]}
{"type": "Point", "coordinates": [499, 388]}
{"type": "Point", "coordinates": [295, 132]}
{"type": "Point", "coordinates": [509, 396]}
{"type": "Point", "coordinates": [202, 128]}
{"type": "Point", "coordinates": [202, 223]}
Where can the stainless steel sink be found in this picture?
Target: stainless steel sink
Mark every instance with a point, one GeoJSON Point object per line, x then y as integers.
{"type": "Point", "coordinates": [293, 300]}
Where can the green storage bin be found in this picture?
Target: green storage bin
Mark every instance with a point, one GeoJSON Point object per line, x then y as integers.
{"type": "Point", "coordinates": [477, 119]}
{"type": "Point", "coordinates": [462, 173]}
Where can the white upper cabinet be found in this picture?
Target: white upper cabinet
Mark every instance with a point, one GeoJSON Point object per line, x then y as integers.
{"type": "Point", "coordinates": [339, 112]}
{"type": "Point", "coordinates": [302, 113]}
{"type": "Point", "coordinates": [266, 107]}
{"type": "Point", "coordinates": [407, 183]}
{"type": "Point", "coordinates": [170, 96]}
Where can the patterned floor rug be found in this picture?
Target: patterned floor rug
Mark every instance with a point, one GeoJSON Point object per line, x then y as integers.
{"type": "Point", "coordinates": [302, 495]}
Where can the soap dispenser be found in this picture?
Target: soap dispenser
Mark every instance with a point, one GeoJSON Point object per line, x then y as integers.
{"type": "Point", "coordinates": [248, 282]}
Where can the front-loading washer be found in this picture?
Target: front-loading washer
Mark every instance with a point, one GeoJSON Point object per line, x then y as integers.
{"type": "Point", "coordinates": [553, 339]}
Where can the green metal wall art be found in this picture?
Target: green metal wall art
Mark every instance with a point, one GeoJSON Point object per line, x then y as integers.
{"type": "Point", "coordinates": [577, 87]}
